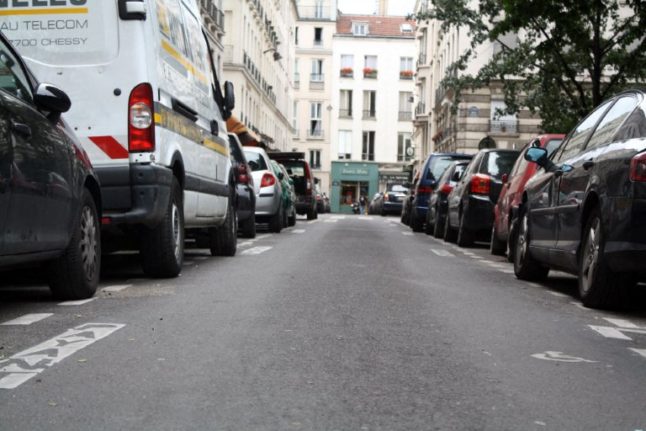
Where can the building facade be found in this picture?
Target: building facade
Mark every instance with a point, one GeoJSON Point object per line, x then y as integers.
{"type": "Point", "coordinates": [372, 104]}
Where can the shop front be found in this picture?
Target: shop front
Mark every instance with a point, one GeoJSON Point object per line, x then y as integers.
{"type": "Point", "coordinates": [350, 181]}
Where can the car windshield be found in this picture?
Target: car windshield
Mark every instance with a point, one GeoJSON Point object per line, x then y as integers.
{"type": "Point", "coordinates": [499, 163]}
{"type": "Point", "coordinates": [438, 166]}
{"type": "Point", "coordinates": [256, 161]}
{"type": "Point", "coordinates": [398, 189]}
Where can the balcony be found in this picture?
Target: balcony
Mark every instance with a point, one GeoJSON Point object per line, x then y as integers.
{"type": "Point", "coordinates": [369, 114]}
{"type": "Point", "coordinates": [316, 81]}
{"type": "Point", "coordinates": [347, 72]}
{"type": "Point", "coordinates": [314, 12]}
{"type": "Point", "coordinates": [421, 60]}
{"type": "Point", "coordinates": [369, 73]}
{"type": "Point", "coordinates": [503, 126]}
{"type": "Point", "coordinates": [212, 15]}
{"type": "Point", "coordinates": [406, 74]}
{"type": "Point", "coordinates": [405, 115]}
{"type": "Point", "coordinates": [345, 113]}
{"type": "Point", "coordinates": [420, 109]}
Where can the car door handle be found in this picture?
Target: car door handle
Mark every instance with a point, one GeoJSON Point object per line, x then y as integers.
{"type": "Point", "coordinates": [21, 129]}
{"type": "Point", "coordinates": [588, 164]}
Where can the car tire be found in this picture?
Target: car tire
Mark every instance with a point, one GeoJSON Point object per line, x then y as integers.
{"type": "Point", "coordinates": [285, 219]}
{"type": "Point", "coordinates": [465, 236]}
{"type": "Point", "coordinates": [438, 227]}
{"type": "Point", "coordinates": [511, 239]}
{"type": "Point", "coordinates": [223, 240]}
{"type": "Point", "coordinates": [311, 214]}
{"type": "Point", "coordinates": [525, 266]}
{"type": "Point", "coordinates": [415, 223]}
{"type": "Point", "coordinates": [276, 221]}
{"type": "Point", "coordinates": [428, 227]}
{"type": "Point", "coordinates": [247, 228]}
{"type": "Point", "coordinates": [75, 274]}
{"type": "Point", "coordinates": [162, 247]}
{"type": "Point", "coordinates": [599, 287]}
{"type": "Point", "coordinates": [450, 235]}
{"type": "Point", "coordinates": [497, 247]}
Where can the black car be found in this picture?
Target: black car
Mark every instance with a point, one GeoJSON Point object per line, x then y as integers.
{"type": "Point", "coordinates": [584, 211]}
{"type": "Point", "coordinates": [301, 173]}
{"type": "Point", "coordinates": [246, 196]}
{"type": "Point", "coordinates": [471, 202]}
{"type": "Point", "coordinates": [437, 205]}
{"type": "Point", "coordinates": [49, 196]}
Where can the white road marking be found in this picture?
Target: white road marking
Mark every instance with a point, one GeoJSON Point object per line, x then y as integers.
{"type": "Point", "coordinates": [117, 288]}
{"type": "Point", "coordinates": [27, 319]}
{"type": "Point", "coordinates": [476, 257]}
{"type": "Point", "coordinates": [332, 220]}
{"type": "Point", "coordinates": [29, 363]}
{"type": "Point", "coordinates": [259, 237]}
{"type": "Point", "coordinates": [298, 231]}
{"type": "Point", "coordinates": [641, 352]}
{"type": "Point", "coordinates": [255, 251]}
{"type": "Point", "coordinates": [579, 305]}
{"type": "Point", "coordinates": [622, 323]}
{"type": "Point", "coordinates": [507, 271]}
{"type": "Point", "coordinates": [79, 302]}
{"type": "Point", "coordinates": [443, 253]}
{"type": "Point", "coordinates": [610, 332]}
{"type": "Point", "coordinates": [560, 295]}
{"type": "Point", "coordinates": [559, 357]}
{"type": "Point", "coordinates": [313, 221]}
{"type": "Point", "coordinates": [245, 243]}
{"type": "Point", "coordinates": [408, 233]}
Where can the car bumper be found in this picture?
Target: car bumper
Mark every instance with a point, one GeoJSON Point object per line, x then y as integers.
{"type": "Point", "coordinates": [268, 201]}
{"type": "Point", "coordinates": [479, 213]}
{"type": "Point", "coordinates": [625, 247]}
{"type": "Point", "coordinates": [304, 206]}
{"type": "Point", "coordinates": [246, 202]}
{"type": "Point", "coordinates": [392, 207]}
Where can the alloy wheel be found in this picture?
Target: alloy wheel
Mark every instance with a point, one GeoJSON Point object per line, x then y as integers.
{"type": "Point", "coordinates": [590, 259]}
{"type": "Point", "coordinates": [88, 243]}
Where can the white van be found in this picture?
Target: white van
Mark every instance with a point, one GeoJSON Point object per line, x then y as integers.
{"type": "Point", "coordinates": [147, 106]}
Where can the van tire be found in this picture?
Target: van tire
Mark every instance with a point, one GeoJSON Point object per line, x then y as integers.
{"type": "Point", "coordinates": [162, 247]}
{"type": "Point", "coordinates": [248, 227]}
{"type": "Point", "coordinates": [223, 240]}
{"type": "Point", "coordinates": [75, 274]}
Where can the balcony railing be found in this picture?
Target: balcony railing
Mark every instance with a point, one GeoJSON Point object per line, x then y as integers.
{"type": "Point", "coordinates": [421, 60]}
{"type": "Point", "coordinates": [212, 13]}
{"type": "Point", "coordinates": [345, 113]}
{"type": "Point", "coordinates": [503, 126]}
{"type": "Point", "coordinates": [369, 114]}
{"type": "Point", "coordinates": [421, 109]}
{"type": "Point", "coordinates": [405, 115]}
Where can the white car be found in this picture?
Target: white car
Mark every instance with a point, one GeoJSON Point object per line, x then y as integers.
{"type": "Point", "coordinates": [269, 208]}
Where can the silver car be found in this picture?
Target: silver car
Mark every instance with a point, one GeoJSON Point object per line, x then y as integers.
{"type": "Point", "coordinates": [267, 188]}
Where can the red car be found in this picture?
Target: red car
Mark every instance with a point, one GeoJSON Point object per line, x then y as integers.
{"type": "Point", "coordinates": [512, 193]}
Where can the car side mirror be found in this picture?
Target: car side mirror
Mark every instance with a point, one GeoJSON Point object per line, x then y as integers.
{"type": "Point", "coordinates": [281, 176]}
{"type": "Point", "coordinates": [50, 98]}
{"type": "Point", "coordinates": [537, 155]}
{"type": "Point", "coordinates": [505, 178]}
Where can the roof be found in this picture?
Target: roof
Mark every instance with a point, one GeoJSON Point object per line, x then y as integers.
{"type": "Point", "coordinates": [378, 26]}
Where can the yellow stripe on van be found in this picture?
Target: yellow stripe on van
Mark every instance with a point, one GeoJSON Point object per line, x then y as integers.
{"type": "Point", "coordinates": [216, 147]}
{"type": "Point", "coordinates": [183, 61]}
{"type": "Point", "coordinates": [46, 11]}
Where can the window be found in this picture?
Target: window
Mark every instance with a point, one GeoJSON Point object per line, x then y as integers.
{"type": "Point", "coordinates": [317, 70]}
{"type": "Point", "coordinates": [347, 65]}
{"type": "Point", "coordinates": [297, 76]}
{"type": "Point", "coordinates": [634, 126]}
{"type": "Point", "coordinates": [345, 144]}
{"type": "Point", "coordinates": [345, 104]}
{"type": "Point", "coordinates": [315, 159]}
{"type": "Point", "coordinates": [295, 116]}
{"type": "Point", "coordinates": [370, 66]}
{"type": "Point", "coordinates": [360, 28]}
{"type": "Point", "coordinates": [368, 147]}
{"type": "Point", "coordinates": [13, 80]}
{"type": "Point", "coordinates": [580, 135]}
{"type": "Point", "coordinates": [318, 9]}
{"type": "Point", "coordinates": [315, 129]}
{"type": "Point", "coordinates": [611, 121]}
{"type": "Point", "coordinates": [406, 28]}
{"type": "Point", "coordinates": [405, 150]}
{"type": "Point", "coordinates": [406, 68]}
{"type": "Point", "coordinates": [318, 36]}
{"type": "Point", "coordinates": [405, 106]}
{"type": "Point", "coordinates": [501, 122]}
{"type": "Point", "coordinates": [296, 36]}
{"type": "Point", "coordinates": [369, 104]}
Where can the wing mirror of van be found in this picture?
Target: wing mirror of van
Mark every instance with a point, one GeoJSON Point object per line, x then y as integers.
{"type": "Point", "coordinates": [52, 99]}
{"type": "Point", "coordinates": [229, 96]}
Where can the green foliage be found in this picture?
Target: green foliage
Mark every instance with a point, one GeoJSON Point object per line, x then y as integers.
{"type": "Point", "coordinates": [558, 58]}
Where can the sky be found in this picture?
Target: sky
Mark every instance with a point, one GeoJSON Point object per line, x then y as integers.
{"type": "Point", "coordinates": [368, 7]}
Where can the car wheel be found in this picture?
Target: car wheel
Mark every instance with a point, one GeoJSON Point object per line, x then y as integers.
{"type": "Point", "coordinates": [275, 222]}
{"type": "Point", "coordinates": [465, 236]}
{"type": "Point", "coordinates": [248, 227]}
{"type": "Point", "coordinates": [311, 214]}
{"type": "Point", "coordinates": [162, 247]}
{"type": "Point", "coordinates": [497, 247]}
{"type": "Point", "coordinates": [599, 287]}
{"type": "Point", "coordinates": [429, 227]}
{"type": "Point", "coordinates": [450, 235]}
{"type": "Point", "coordinates": [285, 219]}
{"type": "Point", "coordinates": [438, 227]}
{"type": "Point", "coordinates": [511, 240]}
{"type": "Point", "coordinates": [75, 274]}
{"type": "Point", "coordinates": [525, 266]}
{"type": "Point", "coordinates": [223, 240]}
{"type": "Point", "coordinates": [415, 223]}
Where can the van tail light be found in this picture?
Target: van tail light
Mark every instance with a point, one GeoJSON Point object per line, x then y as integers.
{"type": "Point", "coordinates": [424, 189]}
{"type": "Point", "coordinates": [638, 168]}
{"type": "Point", "coordinates": [446, 188]}
{"type": "Point", "coordinates": [267, 180]}
{"type": "Point", "coordinates": [480, 184]}
{"type": "Point", "coordinates": [141, 119]}
{"type": "Point", "coordinates": [243, 174]}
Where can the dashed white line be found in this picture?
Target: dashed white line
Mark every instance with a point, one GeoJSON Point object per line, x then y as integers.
{"type": "Point", "coordinates": [116, 288]}
{"type": "Point", "coordinates": [27, 319]}
{"type": "Point", "coordinates": [641, 352]}
{"type": "Point", "coordinates": [609, 332]}
{"type": "Point", "coordinates": [408, 233]}
{"type": "Point", "coordinates": [245, 243]}
{"type": "Point", "coordinates": [560, 295]}
{"type": "Point", "coordinates": [79, 302]}
{"type": "Point", "coordinates": [621, 323]}
{"type": "Point", "coordinates": [442, 253]}
{"type": "Point", "coordinates": [298, 231]}
{"type": "Point", "coordinates": [255, 251]}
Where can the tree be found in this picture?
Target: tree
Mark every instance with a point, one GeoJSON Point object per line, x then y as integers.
{"type": "Point", "coordinates": [558, 58]}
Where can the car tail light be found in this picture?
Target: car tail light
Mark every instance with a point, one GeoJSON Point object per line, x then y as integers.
{"type": "Point", "coordinates": [480, 184]}
{"type": "Point", "coordinates": [308, 183]}
{"type": "Point", "coordinates": [141, 121]}
{"type": "Point", "coordinates": [243, 174]}
{"type": "Point", "coordinates": [638, 168]}
{"type": "Point", "coordinates": [425, 189]}
{"type": "Point", "coordinates": [267, 180]}
{"type": "Point", "coordinates": [446, 188]}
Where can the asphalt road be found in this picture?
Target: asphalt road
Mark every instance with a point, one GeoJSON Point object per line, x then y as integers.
{"type": "Point", "coordinates": [345, 323]}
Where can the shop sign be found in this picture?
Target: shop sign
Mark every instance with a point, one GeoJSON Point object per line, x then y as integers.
{"type": "Point", "coordinates": [357, 171]}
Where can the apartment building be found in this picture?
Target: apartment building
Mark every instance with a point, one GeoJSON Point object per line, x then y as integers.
{"type": "Point", "coordinates": [213, 19]}
{"type": "Point", "coordinates": [258, 58]}
{"type": "Point", "coordinates": [372, 105]}
{"type": "Point", "coordinates": [475, 123]}
{"type": "Point", "coordinates": [313, 82]}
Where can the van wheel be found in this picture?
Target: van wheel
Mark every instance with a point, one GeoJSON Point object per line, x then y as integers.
{"type": "Point", "coordinates": [276, 221]}
{"type": "Point", "coordinates": [223, 240]}
{"type": "Point", "coordinates": [525, 266]}
{"type": "Point", "coordinates": [248, 227]}
{"type": "Point", "coordinates": [497, 247]}
{"type": "Point", "coordinates": [75, 274]}
{"type": "Point", "coordinates": [599, 287]}
{"type": "Point", "coordinates": [162, 247]}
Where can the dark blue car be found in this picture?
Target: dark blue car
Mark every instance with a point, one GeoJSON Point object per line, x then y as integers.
{"type": "Point", "coordinates": [434, 167]}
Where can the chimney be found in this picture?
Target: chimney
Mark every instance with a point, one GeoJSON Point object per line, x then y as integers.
{"type": "Point", "coordinates": [383, 7]}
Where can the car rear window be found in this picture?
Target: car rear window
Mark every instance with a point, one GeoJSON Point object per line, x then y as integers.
{"type": "Point", "coordinates": [256, 161]}
{"type": "Point", "coordinates": [439, 164]}
{"type": "Point", "coordinates": [295, 168]}
{"type": "Point", "coordinates": [498, 163]}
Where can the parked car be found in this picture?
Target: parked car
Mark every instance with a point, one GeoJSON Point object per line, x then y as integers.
{"type": "Point", "coordinates": [245, 194]}
{"type": "Point", "coordinates": [434, 167]}
{"type": "Point", "coordinates": [50, 201]}
{"type": "Point", "coordinates": [269, 194]}
{"type": "Point", "coordinates": [584, 210]}
{"type": "Point", "coordinates": [299, 170]}
{"type": "Point", "coordinates": [512, 193]}
{"type": "Point", "coordinates": [150, 113]}
{"type": "Point", "coordinates": [470, 203]}
{"type": "Point", "coordinates": [392, 200]}
{"type": "Point", "coordinates": [326, 203]}
{"type": "Point", "coordinates": [289, 196]}
{"type": "Point", "coordinates": [437, 206]}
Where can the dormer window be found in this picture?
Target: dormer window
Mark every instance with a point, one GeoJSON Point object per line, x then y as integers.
{"type": "Point", "coordinates": [406, 28]}
{"type": "Point", "coordinates": [360, 28]}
